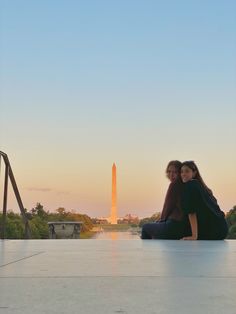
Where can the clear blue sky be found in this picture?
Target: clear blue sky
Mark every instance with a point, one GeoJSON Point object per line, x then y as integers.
{"type": "Point", "coordinates": [84, 84]}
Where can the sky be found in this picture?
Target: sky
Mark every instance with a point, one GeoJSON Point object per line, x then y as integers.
{"type": "Point", "coordinates": [84, 84]}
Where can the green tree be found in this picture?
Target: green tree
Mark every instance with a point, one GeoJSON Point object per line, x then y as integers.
{"type": "Point", "coordinates": [38, 221]}
{"type": "Point", "coordinates": [14, 228]}
{"type": "Point", "coordinates": [62, 213]}
{"type": "Point", "coordinates": [232, 232]}
{"type": "Point", "coordinates": [39, 228]}
{"type": "Point", "coordinates": [231, 220]}
{"type": "Point", "coordinates": [39, 211]}
{"type": "Point", "coordinates": [231, 216]}
{"type": "Point", "coordinates": [156, 216]}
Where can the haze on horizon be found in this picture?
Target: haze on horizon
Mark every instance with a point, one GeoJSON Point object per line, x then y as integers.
{"type": "Point", "coordinates": [83, 85]}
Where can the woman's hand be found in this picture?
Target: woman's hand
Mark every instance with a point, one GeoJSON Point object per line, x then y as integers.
{"type": "Point", "coordinates": [189, 238]}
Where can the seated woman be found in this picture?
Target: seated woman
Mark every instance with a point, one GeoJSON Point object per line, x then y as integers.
{"type": "Point", "coordinates": [206, 219]}
{"type": "Point", "coordinates": [171, 224]}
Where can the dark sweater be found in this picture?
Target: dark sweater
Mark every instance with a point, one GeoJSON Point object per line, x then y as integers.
{"type": "Point", "coordinates": [171, 207]}
{"type": "Point", "coordinates": [210, 218]}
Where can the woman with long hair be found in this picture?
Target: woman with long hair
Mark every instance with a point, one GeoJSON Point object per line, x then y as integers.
{"type": "Point", "coordinates": [171, 224]}
{"type": "Point", "coordinates": [206, 219]}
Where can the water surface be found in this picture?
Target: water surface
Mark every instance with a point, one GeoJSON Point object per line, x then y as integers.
{"type": "Point", "coordinates": [117, 235]}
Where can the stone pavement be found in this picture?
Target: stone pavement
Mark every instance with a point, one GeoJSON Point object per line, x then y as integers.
{"type": "Point", "coordinates": [117, 276]}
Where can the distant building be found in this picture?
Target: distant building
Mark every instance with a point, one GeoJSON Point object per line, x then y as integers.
{"type": "Point", "coordinates": [100, 221]}
{"type": "Point", "coordinates": [129, 219]}
{"type": "Point", "coordinates": [64, 229]}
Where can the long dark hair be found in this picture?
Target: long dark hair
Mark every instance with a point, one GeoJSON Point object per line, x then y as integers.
{"type": "Point", "coordinates": [175, 163]}
{"type": "Point", "coordinates": [191, 164]}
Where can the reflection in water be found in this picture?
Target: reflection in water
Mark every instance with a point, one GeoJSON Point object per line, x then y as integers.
{"type": "Point", "coordinates": [114, 235]}
{"type": "Point", "coordinates": [117, 235]}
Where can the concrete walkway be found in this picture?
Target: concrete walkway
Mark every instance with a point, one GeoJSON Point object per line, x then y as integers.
{"type": "Point", "coordinates": [120, 276]}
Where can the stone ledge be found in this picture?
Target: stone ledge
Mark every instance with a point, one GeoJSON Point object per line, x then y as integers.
{"type": "Point", "coordinates": [122, 276]}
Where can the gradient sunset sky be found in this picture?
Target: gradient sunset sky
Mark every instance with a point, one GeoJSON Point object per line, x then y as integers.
{"type": "Point", "coordinates": [84, 84]}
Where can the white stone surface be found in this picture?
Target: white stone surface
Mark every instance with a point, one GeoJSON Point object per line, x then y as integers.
{"type": "Point", "coordinates": [120, 276]}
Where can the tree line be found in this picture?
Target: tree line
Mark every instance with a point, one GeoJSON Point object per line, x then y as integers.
{"type": "Point", "coordinates": [231, 220]}
{"type": "Point", "coordinates": [38, 221]}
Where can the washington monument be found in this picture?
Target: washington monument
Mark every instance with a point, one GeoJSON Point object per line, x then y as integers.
{"type": "Point", "coordinates": [113, 197]}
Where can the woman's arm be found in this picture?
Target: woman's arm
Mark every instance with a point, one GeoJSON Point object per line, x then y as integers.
{"type": "Point", "coordinates": [194, 227]}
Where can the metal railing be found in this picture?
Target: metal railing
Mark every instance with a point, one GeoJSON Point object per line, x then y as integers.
{"type": "Point", "coordinates": [9, 175]}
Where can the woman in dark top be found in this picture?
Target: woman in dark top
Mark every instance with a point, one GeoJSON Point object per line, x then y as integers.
{"type": "Point", "coordinates": [206, 219]}
{"type": "Point", "coordinates": [170, 225]}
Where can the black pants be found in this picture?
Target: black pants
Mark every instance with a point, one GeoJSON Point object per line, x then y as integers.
{"type": "Point", "coordinates": [217, 230]}
{"type": "Point", "coordinates": [163, 229]}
